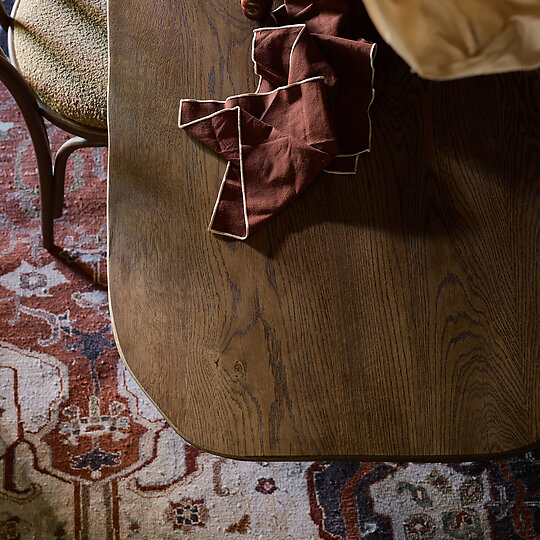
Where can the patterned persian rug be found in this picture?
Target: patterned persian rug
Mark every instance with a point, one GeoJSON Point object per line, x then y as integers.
{"type": "Point", "coordinates": [85, 455]}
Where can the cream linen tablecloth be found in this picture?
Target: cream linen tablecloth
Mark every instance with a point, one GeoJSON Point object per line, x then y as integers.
{"type": "Point", "coordinates": [447, 39]}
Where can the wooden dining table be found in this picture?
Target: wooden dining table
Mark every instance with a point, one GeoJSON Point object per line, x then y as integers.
{"type": "Point", "coordinates": [387, 315]}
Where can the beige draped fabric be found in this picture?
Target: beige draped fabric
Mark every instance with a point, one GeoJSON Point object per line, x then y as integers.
{"type": "Point", "coordinates": [447, 39]}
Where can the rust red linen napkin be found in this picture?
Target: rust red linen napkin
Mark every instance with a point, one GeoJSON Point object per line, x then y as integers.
{"type": "Point", "coordinates": [310, 113]}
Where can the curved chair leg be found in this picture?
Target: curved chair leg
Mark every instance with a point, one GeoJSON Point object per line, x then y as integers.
{"type": "Point", "coordinates": [25, 99]}
{"type": "Point", "coordinates": [59, 169]}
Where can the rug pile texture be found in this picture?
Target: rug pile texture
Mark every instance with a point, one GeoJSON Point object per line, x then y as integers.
{"type": "Point", "coordinates": [85, 455]}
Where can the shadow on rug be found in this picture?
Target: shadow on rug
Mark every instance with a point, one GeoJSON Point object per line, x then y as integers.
{"type": "Point", "coordinates": [85, 455]}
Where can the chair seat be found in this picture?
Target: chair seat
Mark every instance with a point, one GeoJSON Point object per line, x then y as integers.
{"type": "Point", "coordinates": [60, 48]}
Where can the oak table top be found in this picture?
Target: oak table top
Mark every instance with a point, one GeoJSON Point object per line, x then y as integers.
{"type": "Point", "coordinates": [391, 315]}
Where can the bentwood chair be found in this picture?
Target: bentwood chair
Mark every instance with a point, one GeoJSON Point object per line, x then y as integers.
{"type": "Point", "coordinates": [57, 70]}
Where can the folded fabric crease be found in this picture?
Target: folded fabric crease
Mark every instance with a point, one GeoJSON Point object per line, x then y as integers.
{"type": "Point", "coordinates": [309, 114]}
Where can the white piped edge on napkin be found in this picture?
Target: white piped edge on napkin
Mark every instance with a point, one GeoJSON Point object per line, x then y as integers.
{"type": "Point", "coordinates": [223, 180]}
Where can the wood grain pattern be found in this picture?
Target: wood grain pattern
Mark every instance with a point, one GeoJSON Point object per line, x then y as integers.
{"type": "Point", "coordinates": [393, 314]}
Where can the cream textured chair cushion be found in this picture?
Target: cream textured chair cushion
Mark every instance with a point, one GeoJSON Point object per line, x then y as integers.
{"type": "Point", "coordinates": [60, 47]}
{"type": "Point", "coordinates": [446, 39]}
